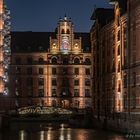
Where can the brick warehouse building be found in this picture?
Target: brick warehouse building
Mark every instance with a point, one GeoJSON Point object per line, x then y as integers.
{"type": "Point", "coordinates": [50, 69]}
{"type": "Point", "coordinates": [115, 69]}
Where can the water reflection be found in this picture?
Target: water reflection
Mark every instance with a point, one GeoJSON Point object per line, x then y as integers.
{"type": "Point", "coordinates": [59, 133]}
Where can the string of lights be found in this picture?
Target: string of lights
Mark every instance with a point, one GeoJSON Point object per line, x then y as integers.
{"type": "Point", "coordinates": [5, 49]}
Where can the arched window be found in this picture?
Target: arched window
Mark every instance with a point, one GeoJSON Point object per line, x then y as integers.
{"type": "Point", "coordinates": [41, 60]}
{"type": "Point", "coordinates": [76, 61]}
{"type": "Point", "coordinates": [54, 60]}
{"type": "Point", "coordinates": [87, 61]}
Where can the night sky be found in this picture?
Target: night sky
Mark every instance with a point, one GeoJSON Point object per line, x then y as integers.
{"type": "Point", "coordinates": [43, 15]}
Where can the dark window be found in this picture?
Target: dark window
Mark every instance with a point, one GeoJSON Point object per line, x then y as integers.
{"type": "Point", "coordinates": [76, 92]}
{"type": "Point", "coordinates": [65, 61]}
{"type": "Point", "coordinates": [29, 91]}
{"type": "Point", "coordinates": [76, 82]}
{"type": "Point", "coordinates": [76, 71]}
{"type": "Point", "coordinates": [29, 70]}
{"type": "Point", "coordinates": [41, 71]}
{"type": "Point", "coordinates": [76, 61]}
{"type": "Point", "coordinates": [87, 71]}
{"type": "Point", "coordinates": [18, 70]}
{"type": "Point", "coordinates": [54, 71]}
{"type": "Point", "coordinates": [54, 83]}
{"type": "Point", "coordinates": [54, 93]}
{"type": "Point", "coordinates": [41, 61]}
{"type": "Point", "coordinates": [87, 61]}
{"type": "Point", "coordinates": [41, 92]}
{"type": "Point", "coordinates": [68, 31]}
{"type": "Point", "coordinates": [18, 61]}
{"type": "Point", "coordinates": [87, 92]}
{"type": "Point", "coordinates": [62, 32]}
{"type": "Point", "coordinates": [41, 81]}
{"type": "Point", "coordinates": [29, 81]}
{"type": "Point", "coordinates": [134, 79]}
{"type": "Point", "coordinates": [65, 71]}
{"type": "Point", "coordinates": [29, 61]}
{"type": "Point", "coordinates": [118, 50]}
{"type": "Point", "coordinates": [125, 81]}
{"type": "Point", "coordinates": [119, 87]}
{"type": "Point", "coordinates": [87, 82]}
{"type": "Point", "coordinates": [118, 36]}
{"type": "Point", "coordinates": [54, 60]}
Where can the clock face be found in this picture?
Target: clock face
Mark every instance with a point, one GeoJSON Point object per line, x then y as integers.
{"type": "Point", "coordinates": [65, 44]}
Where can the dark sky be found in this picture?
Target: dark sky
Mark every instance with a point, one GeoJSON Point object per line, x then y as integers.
{"type": "Point", "coordinates": [43, 15]}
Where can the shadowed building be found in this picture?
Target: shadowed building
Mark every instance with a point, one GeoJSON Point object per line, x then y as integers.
{"type": "Point", "coordinates": [51, 68]}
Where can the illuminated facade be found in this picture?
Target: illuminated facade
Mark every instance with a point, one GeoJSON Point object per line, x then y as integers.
{"type": "Point", "coordinates": [4, 48]}
{"type": "Point", "coordinates": [51, 69]}
{"type": "Point", "coordinates": [109, 54]}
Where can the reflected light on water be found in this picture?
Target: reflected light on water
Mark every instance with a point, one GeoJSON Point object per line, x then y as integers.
{"type": "Point", "coordinates": [61, 132]}
{"type": "Point", "coordinates": [49, 136]}
{"type": "Point", "coordinates": [22, 135]}
{"type": "Point", "coordinates": [68, 134]}
{"type": "Point", "coordinates": [41, 135]}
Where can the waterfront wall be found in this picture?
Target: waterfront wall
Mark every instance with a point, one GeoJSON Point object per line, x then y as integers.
{"type": "Point", "coordinates": [121, 123]}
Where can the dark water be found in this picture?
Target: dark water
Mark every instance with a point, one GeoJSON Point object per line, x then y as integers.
{"type": "Point", "coordinates": [59, 133]}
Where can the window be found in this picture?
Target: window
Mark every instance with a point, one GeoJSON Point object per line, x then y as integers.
{"type": "Point", "coordinates": [18, 61]}
{"type": "Point", "coordinates": [87, 92]}
{"type": "Point", "coordinates": [18, 70]}
{"type": "Point", "coordinates": [134, 78]}
{"type": "Point", "coordinates": [118, 50]}
{"type": "Point", "coordinates": [29, 70]}
{"type": "Point", "coordinates": [41, 71]}
{"type": "Point", "coordinates": [41, 81]}
{"type": "Point", "coordinates": [125, 101]}
{"type": "Point", "coordinates": [118, 36]}
{"type": "Point", "coordinates": [65, 61]}
{"type": "Point", "coordinates": [68, 31]}
{"type": "Point", "coordinates": [29, 61]}
{"type": "Point", "coordinates": [76, 61]}
{"type": "Point", "coordinates": [87, 82]}
{"type": "Point", "coordinates": [76, 71]}
{"type": "Point", "coordinates": [54, 60]}
{"type": "Point", "coordinates": [87, 71]}
{"type": "Point", "coordinates": [41, 61]}
{"type": "Point", "coordinates": [54, 71]}
{"type": "Point", "coordinates": [87, 61]}
{"type": "Point", "coordinates": [29, 81]}
{"type": "Point", "coordinates": [76, 82]}
{"type": "Point", "coordinates": [41, 92]}
{"type": "Point", "coordinates": [29, 91]}
{"type": "Point", "coordinates": [54, 83]}
{"type": "Point", "coordinates": [54, 93]}
{"type": "Point", "coordinates": [65, 71]}
{"type": "Point", "coordinates": [119, 87]}
{"type": "Point", "coordinates": [76, 92]}
{"type": "Point", "coordinates": [125, 80]}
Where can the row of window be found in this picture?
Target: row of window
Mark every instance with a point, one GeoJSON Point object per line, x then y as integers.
{"type": "Point", "coordinates": [54, 81]}
{"type": "Point", "coordinates": [54, 92]}
{"type": "Point", "coordinates": [54, 60]}
{"type": "Point", "coordinates": [54, 71]}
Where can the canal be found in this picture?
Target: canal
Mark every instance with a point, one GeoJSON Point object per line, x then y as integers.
{"type": "Point", "coordinates": [61, 132]}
